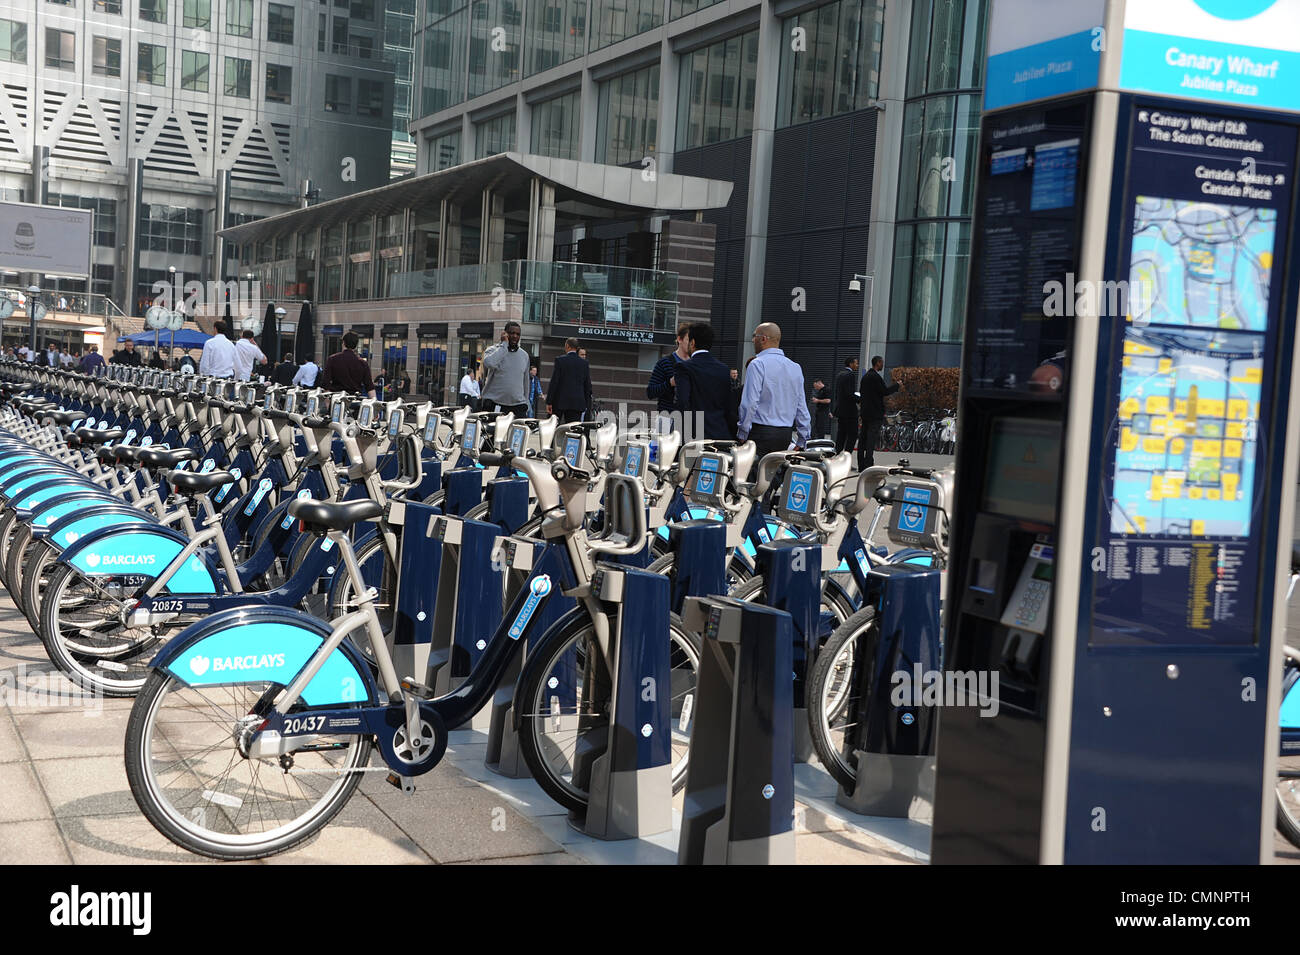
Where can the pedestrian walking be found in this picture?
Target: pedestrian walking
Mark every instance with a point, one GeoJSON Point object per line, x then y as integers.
{"type": "Point", "coordinates": [128, 355]}
{"type": "Point", "coordinates": [505, 374]}
{"type": "Point", "coordinates": [469, 390]}
{"type": "Point", "coordinates": [663, 380]}
{"type": "Point", "coordinates": [845, 406]}
{"type": "Point", "coordinates": [821, 409]}
{"type": "Point", "coordinates": [569, 393]}
{"type": "Point", "coordinates": [346, 371]}
{"type": "Point", "coordinates": [874, 392]}
{"type": "Point", "coordinates": [92, 363]}
{"type": "Point", "coordinates": [247, 355]}
{"type": "Point", "coordinates": [703, 390]}
{"type": "Point", "coordinates": [535, 392]}
{"type": "Point", "coordinates": [218, 358]}
{"type": "Point", "coordinates": [773, 403]}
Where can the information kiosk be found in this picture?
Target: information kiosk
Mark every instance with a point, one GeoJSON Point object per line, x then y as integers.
{"type": "Point", "coordinates": [1125, 482]}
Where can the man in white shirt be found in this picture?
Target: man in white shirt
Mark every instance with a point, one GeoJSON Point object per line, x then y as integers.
{"type": "Point", "coordinates": [469, 390]}
{"type": "Point", "coordinates": [26, 354]}
{"type": "Point", "coordinates": [247, 354]}
{"type": "Point", "coordinates": [218, 359]}
{"type": "Point", "coordinates": [306, 374]}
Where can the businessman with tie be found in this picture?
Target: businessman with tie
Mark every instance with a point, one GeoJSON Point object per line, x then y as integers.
{"type": "Point", "coordinates": [569, 394]}
{"type": "Point", "coordinates": [704, 392]}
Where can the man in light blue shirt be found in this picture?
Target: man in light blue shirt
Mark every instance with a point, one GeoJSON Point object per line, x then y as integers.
{"type": "Point", "coordinates": [772, 404]}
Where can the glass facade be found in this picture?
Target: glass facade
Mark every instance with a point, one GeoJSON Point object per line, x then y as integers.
{"type": "Point", "coordinates": [495, 28]}
{"type": "Point", "coordinates": [239, 17]}
{"type": "Point", "coordinates": [152, 64]}
{"type": "Point", "coordinates": [496, 135]}
{"type": "Point", "coordinates": [831, 62]}
{"type": "Point", "coordinates": [279, 23]}
{"type": "Point", "coordinates": [60, 49]}
{"type": "Point", "coordinates": [444, 151]}
{"type": "Point", "coordinates": [359, 260]}
{"type": "Point", "coordinates": [556, 33]}
{"type": "Point", "coordinates": [557, 126]}
{"type": "Point", "coordinates": [239, 77]}
{"type": "Point", "coordinates": [614, 20]}
{"type": "Point", "coordinates": [680, 8]}
{"type": "Point", "coordinates": [171, 229]}
{"type": "Point", "coordinates": [106, 56]}
{"type": "Point", "coordinates": [13, 41]}
{"type": "Point", "coordinates": [105, 210]}
{"type": "Point", "coordinates": [197, 14]}
{"type": "Point", "coordinates": [627, 124]}
{"type": "Point", "coordinates": [937, 172]}
{"type": "Point", "coordinates": [279, 83]}
{"type": "Point", "coordinates": [155, 11]}
{"type": "Point", "coordinates": [442, 60]}
{"type": "Point", "coordinates": [716, 92]}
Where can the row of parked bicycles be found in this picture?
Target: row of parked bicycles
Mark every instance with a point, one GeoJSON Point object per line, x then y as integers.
{"type": "Point", "coordinates": [929, 431]}
{"type": "Point", "coordinates": [230, 554]}
{"type": "Point", "coordinates": [238, 558]}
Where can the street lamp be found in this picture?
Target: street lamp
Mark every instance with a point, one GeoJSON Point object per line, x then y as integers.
{"type": "Point", "coordinates": [35, 312]}
{"type": "Point", "coordinates": [279, 329]}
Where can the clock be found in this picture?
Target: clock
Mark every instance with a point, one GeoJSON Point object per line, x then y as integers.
{"type": "Point", "coordinates": [6, 308]}
{"type": "Point", "coordinates": [38, 311]}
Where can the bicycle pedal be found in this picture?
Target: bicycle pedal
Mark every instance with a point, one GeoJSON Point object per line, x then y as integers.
{"type": "Point", "coordinates": [405, 783]}
{"type": "Point", "coordinates": [411, 685]}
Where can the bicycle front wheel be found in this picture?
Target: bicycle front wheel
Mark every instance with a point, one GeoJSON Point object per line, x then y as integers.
{"type": "Point", "coordinates": [197, 789]}
{"type": "Point", "coordinates": [565, 693]}
{"type": "Point", "coordinates": [832, 697]}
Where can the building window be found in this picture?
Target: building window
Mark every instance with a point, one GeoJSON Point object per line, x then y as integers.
{"type": "Point", "coordinates": [155, 11]}
{"type": "Point", "coordinates": [105, 217]}
{"type": "Point", "coordinates": [615, 20]}
{"type": "Point", "coordinates": [63, 3]}
{"type": "Point", "coordinates": [947, 47]}
{"type": "Point", "coordinates": [107, 6]}
{"type": "Point", "coordinates": [239, 77]}
{"type": "Point", "coordinates": [363, 10]}
{"type": "Point", "coordinates": [194, 71]}
{"type": "Point", "coordinates": [557, 126]}
{"type": "Point", "coordinates": [444, 152]}
{"type": "Point", "coordinates": [279, 83]}
{"type": "Point", "coordinates": [59, 49]}
{"type": "Point", "coordinates": [106, 56]}
{"type": "Point", "coordinates": [370, 97]}
{"type": "Point", "coordinates": [495, 30]}
{"type": "Point", "coordinates": [557, 33]}
{"type": "Point", "coordinates": [680, 8]}
{"type": "Point", "coordinates": [152, 64]}
{"type": "Point", "coordinates": [442, 63]}
{"type": "Point", "coordinates": [239, 17]}
{"type": "Point", "coordinates": [197, 14]}
{"type": "Point", "coordinates": [716, 92]}
{"type": "Point", "coordinates": [496, 135]}
{"type": "Point", "coordinates": [320, 34]}
{"type": "Point", "coordinates": [13, 41]}
{"type": "Point", "coordinates": [171, 229]}
{"type": "Point", "coordinates": [838, 71]}
{"type": "Point", "coordinates": [279, 23]}
{"type": "Point", "coordinates": [338, 93]}
{"type": "Point", "coordinates": [627, 121]}
{"type": "Point", "coordinates": [340, 44]}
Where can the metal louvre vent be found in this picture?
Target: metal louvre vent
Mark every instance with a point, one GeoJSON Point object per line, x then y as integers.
{"type": "Point", "coordinates": [112, 111]}
{"type": "Point", "coordinates": [283, 137]}
{"type": "Point", "coordinates": [143, 117]}
{"type": "Point", "coordinates": [17, 97]}
{"type": "Point", "coordinates": [199, 121]}
{"type": "Point", "coordinates": [170, 152]}
{"type": "Point", "coordinates": [79, 140]}
{"type": "Point", "coordinates": [50, 106]}
{"type": "Point", "coordinates": [255, 163]}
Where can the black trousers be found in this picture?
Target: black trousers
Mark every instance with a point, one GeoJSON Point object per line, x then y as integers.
{"type": "Point", "coordinates": [867, 443]}
{"type": "Point", "coordinates": [569, 415]}
{"type": "Point", "coordinates": [769, 438]}
{"type": "Point", "coordinates": [846, 434]}
{"type": "Point", "coordinates": [520, 411]}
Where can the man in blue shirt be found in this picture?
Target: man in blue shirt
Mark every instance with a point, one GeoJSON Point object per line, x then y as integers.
{"type": "Point", "coordinates": [772, 404]}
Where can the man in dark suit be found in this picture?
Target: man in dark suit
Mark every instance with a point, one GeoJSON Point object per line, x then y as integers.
{"type": "Point", "coordinates": [874, 392]}
{"type": "Point", "coordinates": [704, 391]}
{"type": "Point", "coordinates": [845, 408]}
{"type": "Point", "coordinates": [569, 393]}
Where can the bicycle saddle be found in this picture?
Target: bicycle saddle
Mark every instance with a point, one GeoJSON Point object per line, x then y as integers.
{"type": "Point", "coordinates": [165, 458]}
{"type": "Point", "coordinates": [126, 454]}
{"type": "Point", "coordinates": [95, 436]}
{"type": "Point", "coordinates": [63, 418]}
{"type": "Point", "coordinates": [335, 515]}
{"type": "Point", "coordinates": [193, 482]}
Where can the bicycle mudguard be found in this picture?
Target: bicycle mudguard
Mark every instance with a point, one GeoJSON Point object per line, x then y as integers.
{"type": "Point", "coordinates": [32, 501]}
{"type": "Point", "coordinates": [16, 472]}
{"type": "Point", "coordinates": [141, 550]}
{"type": "Point", "coordinates": [911, 555]}
{"type": "Point", "coordinates": [1290, 718]}
{"type": "Point", "coordinates": [266, 644]}
{"type": "Point", "coordinates": [80, 516]}
{"type": "Point", "coordinates": [44, 478]}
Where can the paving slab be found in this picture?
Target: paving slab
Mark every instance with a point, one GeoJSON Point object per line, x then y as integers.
{"type": "Point", "coordinates": [21, 795]}
{"type": "Point", "coordinates": [33, 841]}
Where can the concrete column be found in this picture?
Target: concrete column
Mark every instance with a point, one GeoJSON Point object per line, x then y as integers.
{"type": "Point", "coordinates": [131, 260]}
{"type": "Point", "coordinates": [318, 267]}
{"type": "Point", "coordinates": [590, 109]}
{"type": "Point", "coordinates": [449, 235]}
{"type": "Point", "coordinates": [545, 240]}
{"type": "Point", "coordinates": [373, 284]}
{"type": "Point", "coordinates": [220, 218]}
{"type": "Point", "coordinates": [884, 184]}
{"type": "Point", "coordinates": [492, 228]}
{"type": "Point", "coordinates": [770, 41]}
{"type": "Point", "coordinates": [669, 73]}
{"type": "Point", "coordinates": [523, 123]}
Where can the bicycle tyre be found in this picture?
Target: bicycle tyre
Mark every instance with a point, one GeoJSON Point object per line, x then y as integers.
{"type": "Point", "coordinates": [543, 756]}
{"type": "Point", "coordinates": [35, 580]}
{"type": "Point", "coordinates": [1288, 797]}
{"type": "Point", "coordinates": [187, 827]}
{"type": "Point", "coordinates": [666, 566]}
{"type": "Point", "coordinates": [831, 696]}
{"type": "Point", "coordinates": [7, 523]}
{"type": "Point", "coordinates": [16, 556]}
{"type": "Point", "coordinates": [755, 589]}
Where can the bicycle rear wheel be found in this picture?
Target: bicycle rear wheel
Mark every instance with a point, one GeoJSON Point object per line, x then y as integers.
{"type": "Point", "coordinates": [832, 697]}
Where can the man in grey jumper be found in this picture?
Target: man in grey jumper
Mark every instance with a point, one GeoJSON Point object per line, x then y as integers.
{"type": "Point", "coordinates": [505, 374]}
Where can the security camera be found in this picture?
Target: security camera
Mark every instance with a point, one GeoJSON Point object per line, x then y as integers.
{"type": "Point", "coordinates": [855, 286]}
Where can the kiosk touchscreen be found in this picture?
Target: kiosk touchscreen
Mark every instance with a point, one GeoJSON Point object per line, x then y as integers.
{"type": "Point", "coordinates": [469, 440]}
{"type": "Point", "coordinates": [518, 438]}
{"type": "Point", "coordinates": [634, 461]}
{"type": "Point", "coordinates": [573, 449]}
